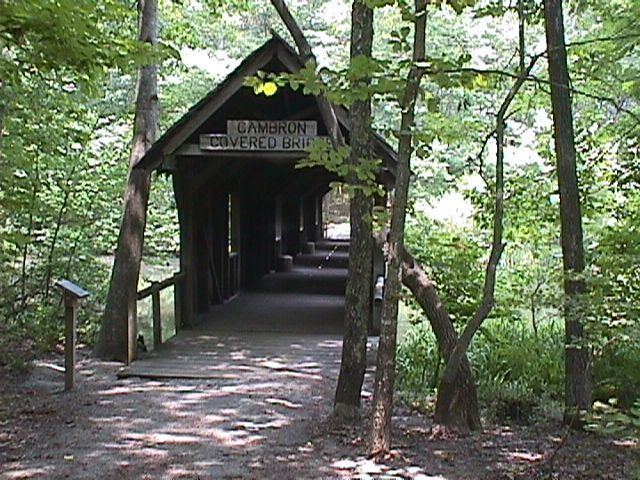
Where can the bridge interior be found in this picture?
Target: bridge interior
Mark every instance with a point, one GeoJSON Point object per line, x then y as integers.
{"type": "Point", "coordinates": [288, 323]}
{"type": "Point", "coordinates": [309, 298]}
{"type": "Point", "coordinates": [253, 256]}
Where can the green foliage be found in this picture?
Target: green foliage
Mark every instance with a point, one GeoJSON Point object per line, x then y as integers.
{"type": "Point", "coordinates": [360, 177]}
{"type": "Point", "coordinates": [70, 41]}
{"type": "Point", "coordinates": [506, 373]}
{"type": "Point", "coordinates": [65, 102]}
{"type": "Point", "coordinates": [162, 235]}
{"type": "Point", "coordinates": [63, 35]}
{"type": "Point", "coordinates": [418, 358]}
{"type": "Point", "coordinates": [454, 258]}
{"type": "Point", "coordinates": [608, 418]}
{"type": "Point", "coordinates": [615, 369]}
{"type": "Point", "coordinates": [510, 383]}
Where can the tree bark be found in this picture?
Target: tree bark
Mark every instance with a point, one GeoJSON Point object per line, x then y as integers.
{"type": "Point", "coordinates": [117, 340]}
{"type": "Point", "coordinates": [578, 381]}
{"type": "Point", "coordinates": [2, 113]}
{"type": "Point", "coordinates": [358, 293]}
{"type": "Point", "coordinates": [463, 411]}
{"type": "Point", "coordinates": [353, 364]}
{"type": "Point", "coordinates": [386, 361]}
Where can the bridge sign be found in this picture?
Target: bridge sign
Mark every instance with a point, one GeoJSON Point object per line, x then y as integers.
{"type": "Point", "coordinates": [263, 135]}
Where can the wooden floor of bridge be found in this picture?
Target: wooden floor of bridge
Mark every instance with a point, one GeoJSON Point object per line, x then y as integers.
{"type": "Point", "coordinates": [290, 323]}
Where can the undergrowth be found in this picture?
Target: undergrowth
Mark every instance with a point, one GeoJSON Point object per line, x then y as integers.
{"type": "Point", "coordinates": [519, 370]}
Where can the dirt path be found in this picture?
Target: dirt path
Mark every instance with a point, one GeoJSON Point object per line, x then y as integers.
{"type": "Point", "coordinates": [272, 426]}
{"type": "Point", "coordinates": [246, 420]}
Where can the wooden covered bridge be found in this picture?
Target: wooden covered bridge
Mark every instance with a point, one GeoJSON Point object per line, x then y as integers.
{"type": "Point", "coordinates": [244, 208]}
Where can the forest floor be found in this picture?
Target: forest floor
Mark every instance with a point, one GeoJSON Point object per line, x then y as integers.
{"type": "Point", "coordinates": [277, 427]}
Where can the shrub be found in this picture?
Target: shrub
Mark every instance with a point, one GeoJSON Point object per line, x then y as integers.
{"type": "Point", "coordinates": [516, 367]}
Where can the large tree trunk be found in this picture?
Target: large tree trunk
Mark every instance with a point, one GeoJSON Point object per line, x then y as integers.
{"type": "Point", "coordinates": [463, 411]}
{"type": "Point", "coordinates": [578, 381]}
{"type": "Point", "coordinates": [358, 294]}
{"type": "Point", "coordinates": [117, 340]}
{"type": "Point", "coordinates": [357, 301]}
{"type": "Point", "coordinates": [386, 361]}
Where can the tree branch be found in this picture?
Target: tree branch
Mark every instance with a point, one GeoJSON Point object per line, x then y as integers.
{"type": "Point", "coordinates": [536, 79]}
{"type": "Point", "coordinates": [445, 392]}
{"type": "Point", "coordinates": [613, 38]}
{"type": "Point", "coordinates": [304, 49]}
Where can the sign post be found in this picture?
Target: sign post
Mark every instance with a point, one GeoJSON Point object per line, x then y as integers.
{"type": "Point", "coordinates": [72, 294]}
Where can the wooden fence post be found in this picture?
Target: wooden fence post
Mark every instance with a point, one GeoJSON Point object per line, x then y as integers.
{"type": "Point", "coordinates": [72, 295]}
{"type": "Point", "coordinates": [157, 318]}
{"type": "Point", "coordinates": [70, 321]}
{"type": "Point", "coordinates": [154, 291]}
{"type": "Point", "coordinates": [177, 301]}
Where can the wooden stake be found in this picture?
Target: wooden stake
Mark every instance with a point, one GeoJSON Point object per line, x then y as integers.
{"type": "Point", "coordinates": [72, 294]}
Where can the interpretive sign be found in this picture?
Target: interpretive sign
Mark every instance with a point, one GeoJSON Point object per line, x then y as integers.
{"type": "Point", "coordinates": [263, 135]}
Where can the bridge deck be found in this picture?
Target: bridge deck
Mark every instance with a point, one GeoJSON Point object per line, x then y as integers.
{"type": "Point", "coordinates": [288, 324]}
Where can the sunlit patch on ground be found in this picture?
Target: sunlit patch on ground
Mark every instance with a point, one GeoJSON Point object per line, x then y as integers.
{"type": "Point", "coordinates": [16, 471]}
{"type": "Point", "coordinates": [367, 468]}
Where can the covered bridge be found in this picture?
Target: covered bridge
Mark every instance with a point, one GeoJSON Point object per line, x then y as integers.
{"type": "Point", "coordinates": [242, 205]}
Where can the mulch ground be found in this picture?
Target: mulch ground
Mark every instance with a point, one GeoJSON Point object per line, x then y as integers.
{"type": "Point", "coordinates": [184, 429]}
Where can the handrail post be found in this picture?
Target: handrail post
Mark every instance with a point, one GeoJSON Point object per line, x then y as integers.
{"type": "Point", "coordinates": [157, 320]}
{"type": "Point", "coordinates": [154, 290]}
{"type": "Point", "coordinates": [177, 301]}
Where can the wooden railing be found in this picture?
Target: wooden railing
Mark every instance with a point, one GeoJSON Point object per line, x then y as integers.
{"type": "Point", "coordinates": [234, 273]}
{"type": "Point", "coordinates": [154, 290]}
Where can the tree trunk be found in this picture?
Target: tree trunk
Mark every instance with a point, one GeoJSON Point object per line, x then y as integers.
{"type": "Point", "coordinates": [578, 381]}
{"type": "Point", "coordinates": [56, 231]}
{"type": "Point", "coordinates": [386, 361]}
{"type": "Point", "coordinates": [25, 249]}
{"type": "Point", "coordinates": [463, 411]}
{"type": "Point", "coordinates": [117, 340]}
{"type": "Point", "coordinates": [2, 113]}
{"type": "Point", "coordinates": [353, 364]}
{"type": "Point", "coordinates": [445, 414]}
{"type": "Point", "coordinates": [358, 294]}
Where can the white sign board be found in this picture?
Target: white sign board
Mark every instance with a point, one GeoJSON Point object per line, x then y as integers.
{"type": "Point", "coordinates": [301, 128]}
{"type": "Point", "coordinates": [262, 135]}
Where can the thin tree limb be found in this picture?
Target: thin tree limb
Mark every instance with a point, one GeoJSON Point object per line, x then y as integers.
{"type": "Point", "coordinates": [386, 361]}
{"type": "Point", "coordinates": [533, 78]}
{"type": "Point", "coordinates": [445, 392]}
{"type": "Point", "coordinates": [304, 49]}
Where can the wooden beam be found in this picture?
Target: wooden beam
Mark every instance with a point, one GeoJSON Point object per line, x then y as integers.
{"type": "Point", "coordinates": [71, 320]}
{"type": "Point", "coordinates": [220, 99]}
{"type": "Point", "coordinates": [302, 114]}
{"type": "Point", "coordinates": [157, 319]}
{"type": "Point", "coordinates": [225, 171]}
{"type": "Point", "coordinates": [177, 277]}
{"type": "Point", "coordinates": [193, 150]}
{"type": "Point", "coordinates": [182, 205]}
{"type": "Point", "coordinates": [187, 256]}
{"type": "Point", "coordinates": [177, 305]}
